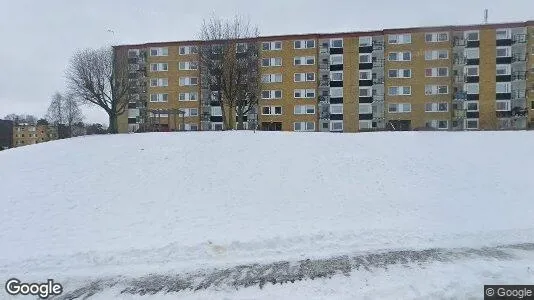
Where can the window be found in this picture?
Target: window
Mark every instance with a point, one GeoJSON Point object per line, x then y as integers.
{"type": "Point", "coordinates": [133, 52]}
{"type": "Point", "coordinates": [471, 106]}
{"type": "Point", "coordinates": [159, 67]}
{"type": "Point", "coordinates": [164, 51]}
{"type": "Point", "coordinates": [271, 46]}
{"type": "Point", "coordinates": [271, 78]}
{"type": "Point", "coordinates": [365, 41]}
{"type": "Point", "coordinates": [336, 109]}
{"type": "Point", "coordinates": [436, 107]}
{"type": "Point", "coordinates": [503, 34]}
{"type": "Point", "coordinates": [271, 62]}
{"type": "Point", "coordinates": [304, 126]}
{"type": "Point", "coordinates": [185, 50]}
{"type": "Point", "coordinates": [366, 58]}
{"type": "Point", "coordinates": [365, 108]}
{"type": "Point", "coordinates": [241, 47]}
{"type": "Point", "coordinates": [471, 35]}
{"type": "Point", "coordinates": [400, 73]}
{"type": "Point", "coordinates": [304, 44]}
{"type": "Point", "coordinates": [301, 77]}
{"type": "Point", "coordinates": [336, 76]}
{"type": "Point", "coordinates": [216, 111]}
{"type": "Point", "coordinates": [436, 89]}
{"type": "Point", "coordinates": [271, 110]}
{"type": "Point", "coordinates": [304, 61]}
{"type": "Point", "coordinates": [472, 53]}
{"type": "Point", "coordinates": [188, 65]}
{"type": "Point", "coordinates": [31, 128]}
{"type": "Point", "coordinates": [503, 70]}
{"type": "Point", "coordinates": [437, 37]}
{"type": "Point", "coordinates": [336, 125]}
{"type": "Point", "coordinates": [304, 93]}
{"type": "Point", "coordinates": [438, 124]}
{"type": "Point", "coordinates": [400, 56]}
{"type": "Point", "coordinates": [271, 94]}
{"type": "Point", "coordinates": [159, 82]}
{"type": "Point", "coordinates": [366, 74]}
{"type": "Point", "coordinates": [502, 105]}
{"type": "Point", "coordinates": [193, 96]}
{"type": "Point", "coordinates": [471, 123]}
{"type": "Point", "coordinates": [399, 107]}
{"type": "Point", "coordinates": [503, 87]}
{"type": "Point", "coordinates": [471, 88]}
{"type": "Point", "coordinates": [304, 110]}
{"type": "Point", "coordinates": [504, 51]}
{"type": "Point", "coordinates": [336, 59]}
{"type": "Point", "coordinates": [186, 81]}
{"type": "Point", "coordinates": [366, 91]}
{"type": "Point", "coordinates": [190, 112]}
{"type": "Point", "coordinates": [399, 39]}
{"type": "Point", "coordinates": [159, 97]}
{"type": "Point", "coordinates": [336, 43]}
{"type": "Point", "coordinates": [471, 70]}
{"type": "Point", "coordinates": [336, 92]}
{"type": "Point", "coordinates": [399, 90]}
{"type": "Point", "coordinates": [437, 72]}
{"type": "Point", "coordinates": [436, 54]}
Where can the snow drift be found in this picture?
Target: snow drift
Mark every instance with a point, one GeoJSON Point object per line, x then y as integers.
{"type": "Point", "coordinates": [176, 202]}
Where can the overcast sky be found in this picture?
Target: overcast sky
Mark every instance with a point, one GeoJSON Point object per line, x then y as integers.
{"type": "Point", "coordinates": [38, 37]}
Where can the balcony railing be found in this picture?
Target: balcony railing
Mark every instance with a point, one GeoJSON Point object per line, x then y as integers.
{"type": "Point", "coordinates": [519, 57]}
{"type": "Point", "coordinates": [459, 42]}
{"type": "Point", "coordinates": [519, 75]}
{"type": "Point", "coordinates": [519, 38]}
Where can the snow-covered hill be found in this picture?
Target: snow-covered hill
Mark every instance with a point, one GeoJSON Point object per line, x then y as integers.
{"type": "Point", "coordinates": [169, 203]}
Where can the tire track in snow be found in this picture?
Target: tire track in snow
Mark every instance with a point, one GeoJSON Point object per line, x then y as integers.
{"type": "Point", "coordinates": [243, 276]}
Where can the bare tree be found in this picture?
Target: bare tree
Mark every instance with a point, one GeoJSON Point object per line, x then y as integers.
{"type": "Point", "coordinates": [99, 77]}
{"type": "Point", "coordinates": [229, 65]}
{"type": "Point", "coordinates": [30, 119]}
{"type": "Point", "coordinates": [55, 114]}
{"type": "Point", "coordinates": [73, 113]}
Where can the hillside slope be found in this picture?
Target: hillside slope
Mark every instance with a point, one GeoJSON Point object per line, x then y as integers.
{"type": "Point", "coordinates": [174, 202]}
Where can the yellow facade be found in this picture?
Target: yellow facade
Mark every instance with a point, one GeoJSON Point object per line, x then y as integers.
{"type": "Point", "coordinates": [433, 96]}
{"type": "Point", "coordinates": [26, 134]}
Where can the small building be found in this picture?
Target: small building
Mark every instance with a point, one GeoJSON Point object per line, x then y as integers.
{"type": "Point", "coordinates": [28, 134]}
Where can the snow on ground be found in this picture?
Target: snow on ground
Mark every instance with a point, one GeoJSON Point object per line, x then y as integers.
{"type": "Point", "coordinates": [176, 202]}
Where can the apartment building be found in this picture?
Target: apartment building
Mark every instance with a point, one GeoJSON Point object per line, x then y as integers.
{"type": "Point", "coordinates": [473, 77]}
{"type": "Point", "coordinates": [28, 134]}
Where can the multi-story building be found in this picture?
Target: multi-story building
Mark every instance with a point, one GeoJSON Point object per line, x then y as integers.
{"type": "Point", "coordinates": [27, 134]}
{"type": "Point", "coordinates": [475, 77]}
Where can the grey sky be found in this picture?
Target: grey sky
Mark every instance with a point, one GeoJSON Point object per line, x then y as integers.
{"type": "Point", "coordinates": [38, 37]}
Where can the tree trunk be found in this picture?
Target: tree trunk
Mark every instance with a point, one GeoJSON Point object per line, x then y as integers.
{"type": "Point", "coordinates": [240, 119]}
{"type": "Point", "coordinates": [231, 117]}
{"type": "Point", "coordinates": [113, 124]}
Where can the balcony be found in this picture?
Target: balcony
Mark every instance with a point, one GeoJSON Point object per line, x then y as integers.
{"type": "Point", "coordinates": [324, 99]}
{"type": "Point", "coordinates": [519, 76]}
{"type": "Point", "coordinates": [459, 60]}
{"type": "Point", "coordinates": [519, 94]}
{"type": "Point", "coordinates": [378, 63]}
{"type": "Point", "coordinates": [519, 39]}
{"type": "Point", "coordinates": [519, 57]}
{"type": "Point", "coordinates": [458, 42]}
{"type": "Point", "coordinates": [378, 46]}
{"type": "Point", "coordinates": [324, 82]}
{"type": "Point", "coordinates": [378, 80]}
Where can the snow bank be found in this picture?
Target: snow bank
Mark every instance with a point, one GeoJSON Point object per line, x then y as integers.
{"type": "Point", "coordinates": [140, 203]}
